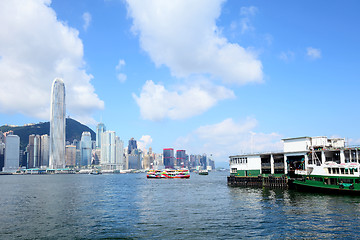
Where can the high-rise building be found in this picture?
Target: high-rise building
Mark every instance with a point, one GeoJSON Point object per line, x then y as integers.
{"type": "Point", "coordinates": [57, 125]}
{"type": "Point", "coordinates": [2, 137]}
{"type": "Point", "coordinates": [30, 150]}
{"type": "Point", "coordinates": [134, 161]}
{"type": "Point", "coordinates": [2, 151]}
{"type": "Point", "coordinates": [12, 153]}
{"type": "Point", "coordinates": [132, 145]}
{"type": "Point", "coordinates": [70, 151]}
{"type": "Point", "coordinates": [181, 158]}
{"type": "Point", "coordinates": [112, 152]}
{"type": "Point", "coordinates": [120, 161]}
{"type": "Point", "coordinates": [37, 152]}
{"type": "Point", "coordinates": [100, 128]}
{"type": "Point", "coordinates": [44, 149]}
{"type": "Point", "coordinates": [34, 151]}
{"type": "Point", "coordinates": [169, 158]}
{"type": "Point", "coordinates": [85, 146]}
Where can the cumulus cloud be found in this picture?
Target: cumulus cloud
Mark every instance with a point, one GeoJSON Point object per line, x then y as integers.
{"type": "Point", "coordinates": [182, 34]}
{"type": "Point", "coordinates": [287, 56]}
{"type": "Point", "coordinates": [35, 48]}
{"type": "Point", "coordinates": [87, 19]}
{"type": "Point", "coordinates": [121, 76]}
{"type": "Point", "coordinates": [230, 137]}
{"type": "Point", "coordinates": [144, 141]}
{"type": "Point", "coordinates": [313, 53]}
{"type": "Point", "coordinates": [156, 102]}
{"type": "Point", "coordinates": [247, 13]}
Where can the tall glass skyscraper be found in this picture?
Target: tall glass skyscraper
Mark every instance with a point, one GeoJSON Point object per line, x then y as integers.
{"type": "Point", "coordinates": [132, 145]}
{"type": "Point", "coordinates": [100, 128]}
{"type": "Point", "coordinates": [57, 125]}
{"type": "Point", "coordinates": [85, 145]}
{"type": "Point", "coordinates": [168, 157]}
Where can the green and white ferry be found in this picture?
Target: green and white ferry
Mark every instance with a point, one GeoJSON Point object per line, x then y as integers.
{"type": "Point", "coordinates": [329, 177]}
{"type": "Point", "coordinates": [318, 164]}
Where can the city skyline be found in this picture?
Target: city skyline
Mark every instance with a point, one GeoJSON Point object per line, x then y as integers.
{"type": "Point", "coordinates": [222, 78]}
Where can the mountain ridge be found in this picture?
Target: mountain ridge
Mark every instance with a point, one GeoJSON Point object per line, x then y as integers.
{"type": "Point", "coordinates": [74, 129]}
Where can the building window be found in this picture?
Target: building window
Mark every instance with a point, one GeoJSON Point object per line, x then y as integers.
{"type": "Point", "coordinates": [233, 170]}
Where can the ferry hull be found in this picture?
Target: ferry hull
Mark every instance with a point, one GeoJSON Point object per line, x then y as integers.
{"type": "Point", "coordinates": [329, 189]}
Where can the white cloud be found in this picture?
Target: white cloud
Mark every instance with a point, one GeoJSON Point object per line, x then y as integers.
{"type": "Point", "coordinates": [120, 65]}
{"type": "Point", "coordinates": [248, 11]}
{"type": "Point", "coordinates": [230, 138]}
{"type": "Point", "coordinates": [144, 141]}
{"type": "Point", "coordinates": [287, 56]}
{"type": "Point", "coordinates": [156, 102]}
{"type": "Point", "coordinates": [35, 48]}
{"type": "Point", "coordinates": [182, 34]}
{"type": "Point", "coordinates": [87, 19]}
{"type": "Point", "coordinates": [121, 77]}
{"type": "Point", "coordinates": [313, 53]}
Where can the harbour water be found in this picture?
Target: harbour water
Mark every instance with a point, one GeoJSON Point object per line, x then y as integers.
{"type": "Point", "coordinates": [130, 206]}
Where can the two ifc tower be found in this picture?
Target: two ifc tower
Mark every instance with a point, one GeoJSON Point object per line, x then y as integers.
{"type": "Point", "coordinates": [57, 125]}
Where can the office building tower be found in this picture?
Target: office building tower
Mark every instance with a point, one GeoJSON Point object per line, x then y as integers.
{"type": "Point", "coordinates": [70, 152]}
{"type": "Point", "coordinates": [30, 150]}
{"type": "Point", "coordinates": [44, 150]}
{"type": "Point", "coordinates": [132, 145]}
{"type": "Point", "coordinates": [169, 158]}
{"type": "Point", "coordinates": [203, 161]}
{"type": "Point", "coordinates": [120, 160]}
{"type": "Point", "coordinates": [181, 158]}
{"type": "Point", "coordinates": [96, 156]}
{"type": "Point", "coordinates": [134, 159]}
{"type": "Point", "coordinates": [2, 137]}
{"type": "Point", "coordinates": [112, 152]}
{"type": "Point", "coordinates": [12, 153]}
{"type": "Point", "coordinates": [85, 147]}
{"type": "Point", "coordinates": [100, 128]}
{"type": "Point", "coordinates": [2, 152]}
{"type": "Point", "coordinates": [57, 125]}
{"type": "Point", "coordinates": [34, 151]}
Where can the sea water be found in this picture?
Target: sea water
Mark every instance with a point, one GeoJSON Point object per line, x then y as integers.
{"type": "Point", "coordinates": [130, 206]}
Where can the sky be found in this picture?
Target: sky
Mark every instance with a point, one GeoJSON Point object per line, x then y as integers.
{"type": "Point", "coordinates": [208, 76]}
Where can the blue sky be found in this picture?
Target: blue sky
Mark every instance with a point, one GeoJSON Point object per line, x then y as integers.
{"type": "Point", "coordinates": [216, 77]}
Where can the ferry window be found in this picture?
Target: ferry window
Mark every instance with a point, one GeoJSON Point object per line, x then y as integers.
{"type": "Point", "coordinates": [342, 170]}
{"type": "Point", "coordinates": [345, 180]}
{"type": "Point", "coordinates": [318, 179]}
{"type": "Point", "coordinates": [351, 171]}
{"type": "Point", "coordinates": [245, 160]}
{"type": "Point", "coordinates": [355, 169]}
{"type": "Point", "coordinates": [333, 181]}
{"type": "Point", "coordinates": [346, 171]}
{"type": "Point", "coordinates": [329, 170]}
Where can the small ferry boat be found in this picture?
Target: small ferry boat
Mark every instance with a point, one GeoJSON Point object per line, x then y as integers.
{"type": "Point", "coordinates": [203, 172]}
{"type": "Point", "coordinates": [168, 173]}
{"type": "Point", "coordinates": [329, 177]}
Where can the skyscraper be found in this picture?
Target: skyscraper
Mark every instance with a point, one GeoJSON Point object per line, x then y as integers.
{"type": "Point", "coordinates": [57, 125]}
{"type": "Point", "coordinates": [85, 145]}
{"type": "Point", "coordinates": [132, 145]}
{"type": "Point", "coordinates": [45, 150]}
{"type": "Point", "coordinates": [100, 128]}
{"type": "Point", "coordinates": [12, 153]}
{"type": "Point", "coordinates": [181, 158]}
{"type": "Point", "coordinates": [169, 157]}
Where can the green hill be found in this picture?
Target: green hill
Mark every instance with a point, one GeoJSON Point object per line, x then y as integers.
{"type": "Point", "coordinates": [74, 129]}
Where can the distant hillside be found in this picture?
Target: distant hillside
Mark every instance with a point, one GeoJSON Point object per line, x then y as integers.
{"type": "Point", "coordinates": [74, 129]}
